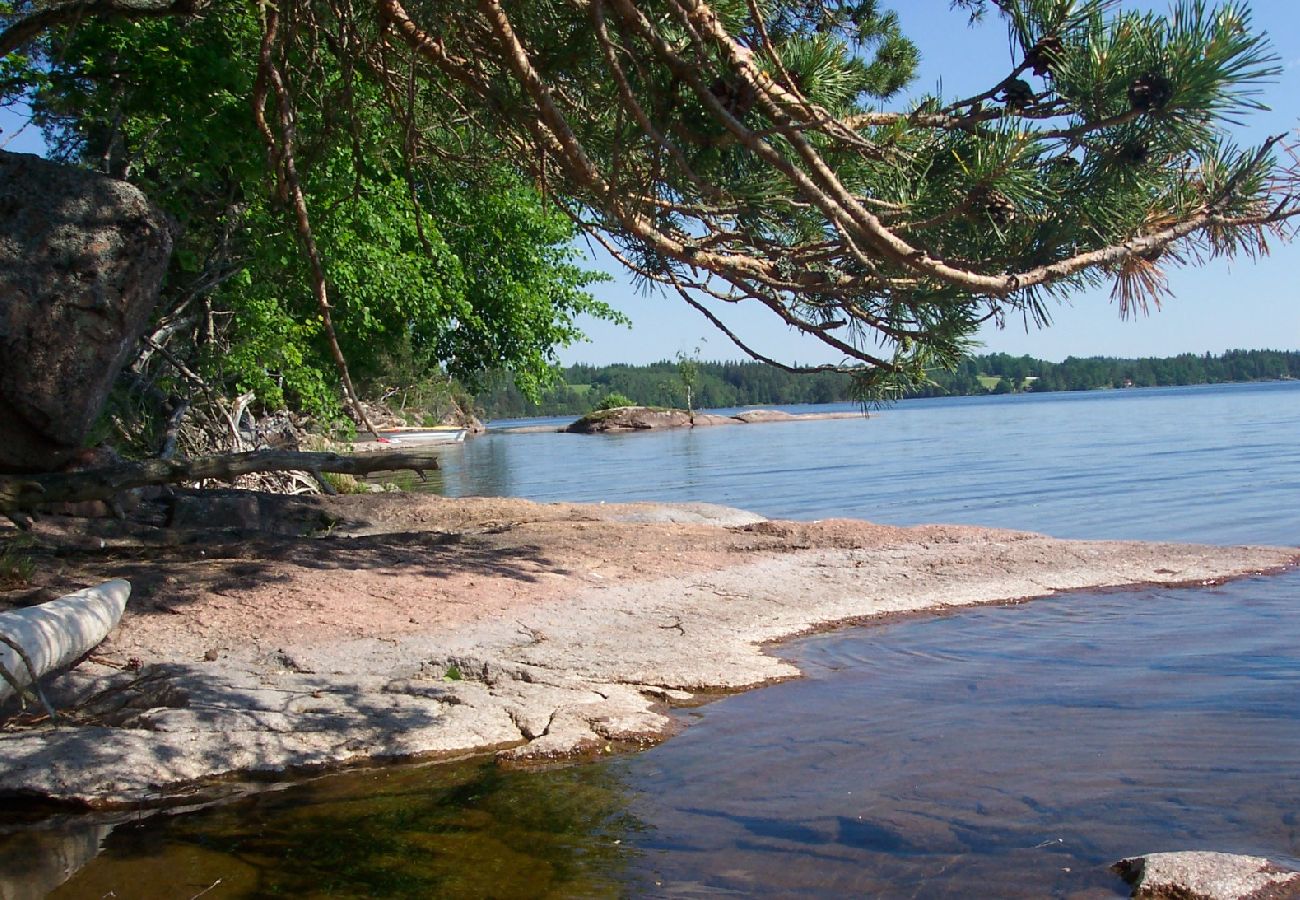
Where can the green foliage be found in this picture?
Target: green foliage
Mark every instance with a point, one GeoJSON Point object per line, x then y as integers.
{"type": "Point", "coordinates": [449, 271]}
{"type": "Point", "coordinates": [614, 400]}
{"type": "Point", "coordinates": [1101, 156]}
{"type": "Point", "coordinates": [750, 161]}
{"type": "Point", "coordinates": [344, 484]}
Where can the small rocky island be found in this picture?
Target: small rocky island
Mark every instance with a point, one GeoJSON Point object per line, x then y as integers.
{"type": "Point", "coordinates": [650, 418]}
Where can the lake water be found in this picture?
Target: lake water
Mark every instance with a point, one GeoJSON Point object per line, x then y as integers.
{"type": "Point", "coordinates": [990, 752]}
{"type": "Point", "coordinates": [1214, 464]}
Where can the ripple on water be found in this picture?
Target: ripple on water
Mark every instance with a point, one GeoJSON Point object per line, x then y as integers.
{"type": "Point", "coordinates": [1021, 747]}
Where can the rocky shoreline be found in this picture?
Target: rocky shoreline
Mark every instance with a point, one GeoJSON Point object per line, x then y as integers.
{"type": "Point", "coordinates": [415, 627]}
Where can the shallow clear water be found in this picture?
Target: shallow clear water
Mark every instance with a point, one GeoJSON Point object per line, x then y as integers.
{"type": "Point", "coordinates": [1025, 747]}
{"type": "Point", "coordinates": [994, 751]}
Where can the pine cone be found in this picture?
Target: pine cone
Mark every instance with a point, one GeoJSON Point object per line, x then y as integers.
{"type": "Point", "coordinates": [995, 204]}
{"type": "Point", "coordinates": [1150, 92]}
{"type": "Point", "coordinates": [1134, 153]}
{"type": "Point", "coordinates": [737, 98]}
{"type": "Point", "coordinates": [1043, 55]}
{"type": "Point", "coordinates": [1017, 94]}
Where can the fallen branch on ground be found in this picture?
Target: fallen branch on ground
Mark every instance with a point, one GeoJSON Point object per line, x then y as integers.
{"type": "Point", "coordinates": [27, 492]}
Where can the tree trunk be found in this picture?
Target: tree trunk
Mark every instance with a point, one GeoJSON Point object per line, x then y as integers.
{"type": "Point", "coordinates": [26, 492]}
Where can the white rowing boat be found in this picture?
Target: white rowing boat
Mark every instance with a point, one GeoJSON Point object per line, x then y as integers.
{"type": "Point", "coordinates": [421, 435]}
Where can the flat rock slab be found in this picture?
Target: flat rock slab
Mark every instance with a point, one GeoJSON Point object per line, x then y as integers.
{"type": "Point", "coordinates": [1203, 875]}
{"type": "Point", "coordinates": [419, 626]}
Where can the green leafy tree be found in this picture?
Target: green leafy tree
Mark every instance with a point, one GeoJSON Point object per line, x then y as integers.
{"type": "Point", "coordinates": [614, 400]}
{"type": "Point", "coordinates": [433, 270]}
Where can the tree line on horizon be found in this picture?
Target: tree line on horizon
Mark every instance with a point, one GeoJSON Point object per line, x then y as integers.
{"type": "Point", "coordinates": [583, 388]}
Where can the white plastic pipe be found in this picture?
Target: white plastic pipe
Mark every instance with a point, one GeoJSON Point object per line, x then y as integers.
{"type": "Point", "coordinates": [58, 633]}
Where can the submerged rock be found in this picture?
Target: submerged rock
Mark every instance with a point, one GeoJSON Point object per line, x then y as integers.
{"type": "Point", "coordinates": [82, 258]}
{"type": "Point", "coordinates": [1203, 875]}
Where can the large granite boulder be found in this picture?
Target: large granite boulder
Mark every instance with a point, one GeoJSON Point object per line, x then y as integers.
{"type": "Point", "coordinates": [82, 258]}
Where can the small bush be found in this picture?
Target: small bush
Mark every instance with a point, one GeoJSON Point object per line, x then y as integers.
{"type": "Point", "coordinates": [614, 400]}
{"type": "Point", "coordinates": [344, 483]}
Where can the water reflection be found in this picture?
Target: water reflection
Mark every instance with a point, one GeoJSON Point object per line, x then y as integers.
{"type": "Point", "coordinates": [456, 830]}
{"type": "Point", "coordinates": [34, 862]}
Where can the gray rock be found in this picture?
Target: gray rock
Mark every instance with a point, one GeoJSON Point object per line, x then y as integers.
{"type": "Point", "coordinates": [684, 513]}
{"type": "Point", "coordinates": [240, 511]}
{"type": "Point", "coordinates": [630, 418]}
{"type": "Point", "coordinates": [765, 415]}
{"type": "Point", "coordinates": [583, 672]}
{"type": "Point", "coordinates": [1202, 875]}
{"type": "Point", "coordinates": [82, 257]}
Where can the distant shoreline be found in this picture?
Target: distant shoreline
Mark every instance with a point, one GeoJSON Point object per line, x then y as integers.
{"type": "Point", "coordinates": [732, 385]}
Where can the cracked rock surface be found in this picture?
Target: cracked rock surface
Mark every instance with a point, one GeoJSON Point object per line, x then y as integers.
{"type": "Point", "coordinates": [1203, 875]}
{"type": "Point", "coordinates": [410, 626]}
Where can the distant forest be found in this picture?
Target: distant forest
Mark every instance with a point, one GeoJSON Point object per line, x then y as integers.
{"type": "Point", "coordinates": [724, 384]}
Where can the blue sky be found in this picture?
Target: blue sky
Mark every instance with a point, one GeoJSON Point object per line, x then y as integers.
{"type": "Point", "coordinates": [1219, 307]}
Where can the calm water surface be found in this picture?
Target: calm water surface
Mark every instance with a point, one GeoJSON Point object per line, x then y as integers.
{"type": "Point", "coordinates": [1215, 464]}
{"type": "Point", "coordinates": [991, 752]}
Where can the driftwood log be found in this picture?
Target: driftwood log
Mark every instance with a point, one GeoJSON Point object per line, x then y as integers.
{"type": "Point", "coordinates": [20, 493]}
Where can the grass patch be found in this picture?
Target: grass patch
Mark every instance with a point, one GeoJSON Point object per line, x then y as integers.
{"type": "Point", "coordinates": [344, 483]}
{"type": "Point", "coordinates": [17, 568]}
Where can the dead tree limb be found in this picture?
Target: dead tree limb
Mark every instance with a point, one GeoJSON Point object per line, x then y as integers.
{"type": "Point", "coordinates": [25, 492]}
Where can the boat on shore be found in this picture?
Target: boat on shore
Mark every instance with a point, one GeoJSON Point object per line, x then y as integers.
{"type": "Point", "coordinates": [438, 434]}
